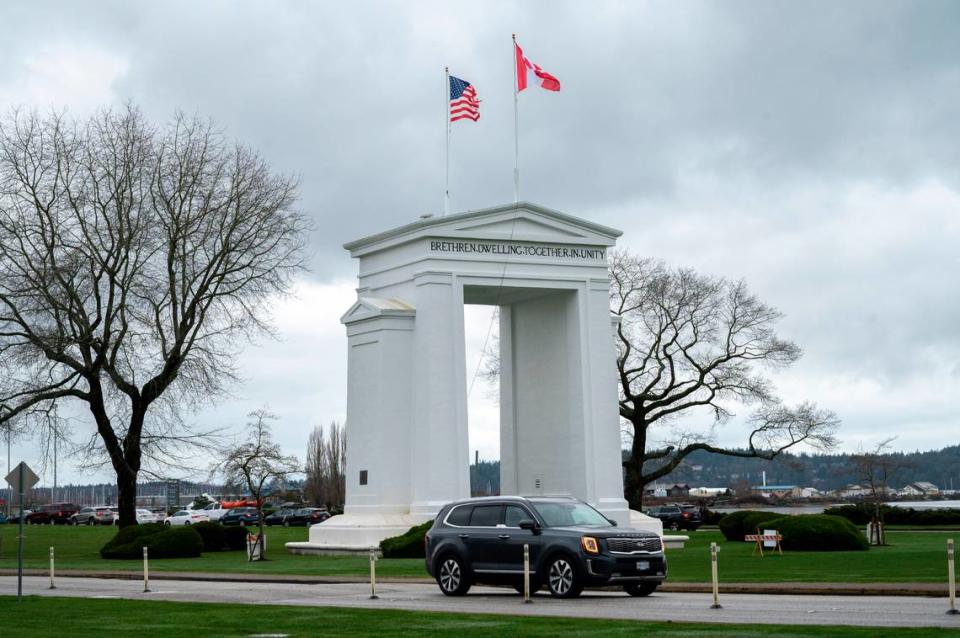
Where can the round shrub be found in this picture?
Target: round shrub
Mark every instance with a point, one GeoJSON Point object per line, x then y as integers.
{"type": "Point", "coordinates": [176, 542]}
{"type": "Point", "coordinates": [128, 539]}
{"type": "Point", "coordinates": [820, 533]}
{"type": "Point", "coordinates": [235, 538]}
{"type": "Point", "coordinates": [410, 544]}
{"type": "Point", "coordinates": [162, 541]}
{"type": "Point", "coordinates": [709, 517]}
{"type": "Point", "coordinates": [212, 533]}
{"type": "Point", "coordinates": [732, 525]}
{"type": "Point", "coordinates": [757, 520]}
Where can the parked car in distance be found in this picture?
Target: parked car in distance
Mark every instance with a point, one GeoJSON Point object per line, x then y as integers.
{"type": "Point", "coordinates": [185, 517]}
{"type": "Point", "coordinates": [214, 511]}
{"type": "Point", "coordinates": [14, 518]}
{"type": "Point", "coordinates": [3, 518]}
{"type": "Point", "coordinates": [571, 545]}
{"type": "Point", "coordinates": [241, 516]}
{"type": "Point", "coordinates": [279, 517]}
{"type": "Point", "coordinates": [143, 517]}
{"type": "Point", "coordinates": [53, 514]}
{"type": "Point", "coordinates": [300, 517]}
{"type": "Point", "coordinates": [97, 515]}
{"type": "Point", "coordinates": [676, 517]}
{"type": "Point", "coordinates": [313, 515]}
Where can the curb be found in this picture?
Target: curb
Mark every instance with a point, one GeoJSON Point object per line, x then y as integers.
{"type": "Point", "coordinates": [925, 590]}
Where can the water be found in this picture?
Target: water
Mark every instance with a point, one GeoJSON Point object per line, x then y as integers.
{"type": "Point", "coordinates": [818, 509]}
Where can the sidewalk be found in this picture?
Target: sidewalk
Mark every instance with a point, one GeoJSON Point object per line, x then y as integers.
{"type": "Point", "coordinates": [929, 590]}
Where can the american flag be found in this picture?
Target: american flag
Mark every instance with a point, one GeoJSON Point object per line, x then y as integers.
{"type": "Point", "coordinates": [464, 104]}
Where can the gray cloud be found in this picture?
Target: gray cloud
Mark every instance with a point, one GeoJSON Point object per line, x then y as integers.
{"type": "Point", "coordinates": [807, 147]}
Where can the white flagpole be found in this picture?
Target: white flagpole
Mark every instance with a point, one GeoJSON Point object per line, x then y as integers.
{"type": "Point", "coordinates": [516, 127]}
{"type": "Point", "coordinates": [446, 126]}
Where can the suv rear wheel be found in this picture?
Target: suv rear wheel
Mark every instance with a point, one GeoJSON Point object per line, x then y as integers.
{"type": "Point", "coordinates": [563, 577]}
{"type": "Point", "coordinates": [452, 576]}
{"type": "Point", "coordinates": [640, 589]}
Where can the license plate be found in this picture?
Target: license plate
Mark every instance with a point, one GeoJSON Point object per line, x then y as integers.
{"type": "Point", "coordinates": [643, 565]}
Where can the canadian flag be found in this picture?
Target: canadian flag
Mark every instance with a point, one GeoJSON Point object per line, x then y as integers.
{"type": "Point", "coordinates": [524, 65]}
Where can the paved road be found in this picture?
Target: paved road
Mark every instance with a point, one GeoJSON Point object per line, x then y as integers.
{"type": "Point", "coordinates": [886, 611]}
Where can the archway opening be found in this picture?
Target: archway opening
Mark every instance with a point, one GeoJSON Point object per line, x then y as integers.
{"type": "Point", "coordinates": [481, 340]}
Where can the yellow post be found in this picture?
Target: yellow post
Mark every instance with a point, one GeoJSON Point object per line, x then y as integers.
{"type": "Point", "coordinates": [951, 578]}
{"type": "Point", "coordinates": [713, 574]}
{"type": "Point", "coordinates": [373, 575]}
{"type": "Point", "coordinates": [52, 586]}
{"type": "Point", "coordinates": [526, 574]}
{"type": "Point", "coordinates": [146, 571]}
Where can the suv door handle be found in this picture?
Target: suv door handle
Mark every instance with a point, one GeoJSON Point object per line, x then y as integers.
{"type": "Point", "coordinates": [464, 535]}
{"type": "Point", "coordinates": [504, 536]}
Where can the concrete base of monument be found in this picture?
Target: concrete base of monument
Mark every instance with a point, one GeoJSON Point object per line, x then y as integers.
{"type": "Point", "coordinates": [639, 520]}
{"type": "Point", "coordinates": [353, 533]}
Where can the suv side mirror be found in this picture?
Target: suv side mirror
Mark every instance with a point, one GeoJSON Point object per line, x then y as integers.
{"type": "Point", "coordinates": [530, 525]}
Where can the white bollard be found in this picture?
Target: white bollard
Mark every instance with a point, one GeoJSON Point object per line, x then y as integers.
{"type": "Point", "coordinates": [526, 574]}
{"type": "Point", "coordinates": [713, 574]}
{"type": "Point", "coordinates": [951, 578]}
{"type": "Point", "coordinates": [373, 576]}
{"type": "Point", "coordinates": [52, 585]}
{"type": "Point", "coordinates": [146, 571]}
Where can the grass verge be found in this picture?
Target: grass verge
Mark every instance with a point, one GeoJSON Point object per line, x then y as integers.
{"type": "Point", "coordinates": [910, 557]}
{"type": "Point", "coordinates": [33, 617]}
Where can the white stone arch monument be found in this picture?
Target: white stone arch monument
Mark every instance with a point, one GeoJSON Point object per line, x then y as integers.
{"type": "Point", "coordinates": [407, 447]}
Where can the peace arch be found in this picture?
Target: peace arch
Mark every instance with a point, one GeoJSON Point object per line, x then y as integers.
{"type": "Point", "coordinates": [407, 448]}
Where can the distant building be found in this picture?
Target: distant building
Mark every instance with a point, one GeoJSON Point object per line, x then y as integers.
{"type": "Point", "coordinates": [810, 492]}
{"type": "Point", "coordinates": [776, 491]}
{"type": "Point", "coordinates": [920, 488]}
{"type": "Point", "coordinates": [703, 492]}
{"type": "Point", "coordinates": [678, 490]}
{"type": "Point", "coordinates": [852, 491]}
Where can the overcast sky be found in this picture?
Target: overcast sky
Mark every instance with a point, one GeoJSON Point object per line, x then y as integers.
{"type": "Point", "coordinates": [810, 148]}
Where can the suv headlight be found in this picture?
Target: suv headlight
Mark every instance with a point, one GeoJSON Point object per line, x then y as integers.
{"type": "Point", "coordinates": [590, 545]}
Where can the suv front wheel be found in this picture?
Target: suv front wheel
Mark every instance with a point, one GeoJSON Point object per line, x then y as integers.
{"type": "Point", "coordinates": [563, 577]}
{"type": "Point", "coordinates": [452, 576]}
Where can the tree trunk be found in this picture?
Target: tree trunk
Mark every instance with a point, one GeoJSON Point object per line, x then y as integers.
{"type": "Point", "coordinates": [633, 479]}
{"type": "Point", "coordinates": [127, 498]}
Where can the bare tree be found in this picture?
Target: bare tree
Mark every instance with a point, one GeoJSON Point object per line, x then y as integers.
{"type": "Point", "coordinates": [690, 344]}
{"type": "Point", "coordinates": [256, 462]}
{"type": "Point", "coordinates": [326, 466]}
{"type": "Point", "coordinates": [875, 469]}
{"type": "Point", "coordinates": [134, 262]}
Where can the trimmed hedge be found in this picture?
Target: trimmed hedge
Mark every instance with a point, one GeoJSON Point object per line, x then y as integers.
{"type": "Point", "coordinates": [164, 542]}
{"type": "Point", "coordinates": [732, 525]}
{"type": "Point", "coordinates": [819, 533]}
{"type": "Point", "coordinates": [235, 538]}
{"type": "Point", "coordinates": [709, 517]}
{"type": "Point", "coordinates": [863, 512]}
{"type": "Point", "coordinates": [757, 520]}
{"type": "Point", "coordinates": [410, 544]}
{"type": "Point", "coordinates": [213, 536]}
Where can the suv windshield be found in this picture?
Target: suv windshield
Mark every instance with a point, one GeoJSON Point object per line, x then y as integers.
{"type": "Point", "coordinates": [566, 513]}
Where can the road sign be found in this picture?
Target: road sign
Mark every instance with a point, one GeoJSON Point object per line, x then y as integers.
{"type": "Point", "coordinates": [22, 473]}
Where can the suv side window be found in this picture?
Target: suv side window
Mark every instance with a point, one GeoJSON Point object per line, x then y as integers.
{"type": "Point", "coordinates": [485, 516]}
{"type": "Point", "coordinates": [514, 514]}
{"type": "Point", "coordinates": [460, 516]}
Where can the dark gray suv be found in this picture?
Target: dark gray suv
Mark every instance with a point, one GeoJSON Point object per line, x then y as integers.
{"type": "Point", "coordinates": [572, 546]}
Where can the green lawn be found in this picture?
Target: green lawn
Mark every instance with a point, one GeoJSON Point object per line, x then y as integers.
{"type": "Point", "coordinates": [911, 557]}
{"type": "Point", "coordinates": [89, 617]}
{"type": "Point", "coordinates": [77, 547]}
